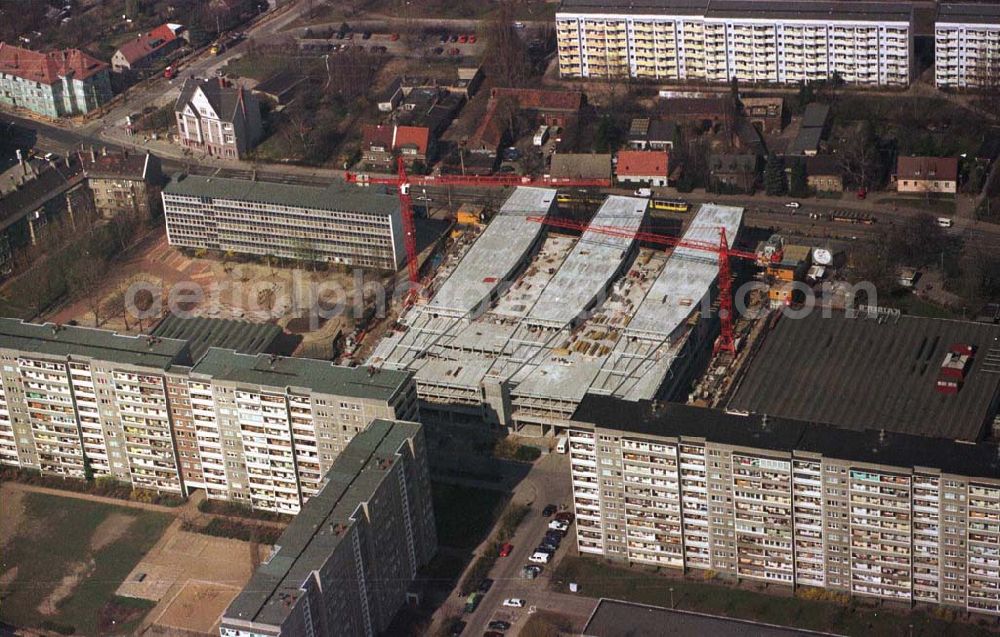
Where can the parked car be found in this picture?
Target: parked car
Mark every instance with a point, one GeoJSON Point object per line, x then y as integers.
{"type": "Point", "coordinates": [549, 510]}
{"type": "Point", "coordinates": [539, 557]}
{"type": "Point", "coordinates": [456, 629]}
{"type": "Point", "coordinates": [862, 193]}
{"type": "Point", "coordinates": [554, 539]}
{"type": "Point", "coordinates": [472, 39]}
{"type": "Point", "coordinates": [393, 37]}
{"type": "Point", "coordinates": [453, 52]}
{"type": "Point", "coordinates": [565, 516]}
{"type": "Point", "coordinates": [366, 35]}
{"type": "Point", "coordinates": [505, 549]}
{"type": "Point", "coordinates": [642, 192]}
{"type": "Point", "coordinates": [531, 571]}
{"type": "Point", "coordinates": [453, 38]}
{"type": "Point", "coordinates": [498, 624]}
{"type": "Point", "coordinates": [462, 39]}
{"type": "Point", "coordinates": [558, 525]}
{"type": "Point", "coordinates": [485, 585]}
{"type": "Point", "coordinates": [549, 546]}
{"type": "Point", "coordinates": [793, 204]}
{"type": "Point", "coordinates": [443, 39]}
{"type": "Point", "coordinates": [438, 51]}
{"type": "Point", "coordinates": [513, 602]}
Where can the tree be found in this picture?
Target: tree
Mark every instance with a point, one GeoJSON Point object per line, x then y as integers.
{"type": "Point", "coordinates": [774, 176]}
{"type": "Point", "coordinates": [505, 56]}
{"type": "Point", "coordinates": [798, 183]}
{"type": "Point", "coordinates": [917, 241]}
{"type": "Point", "coordinates": [859, 157]}
{"type": "Point", "coordinates": [609, 135]}
{"type": "Point", "coordinates": [84, 279]}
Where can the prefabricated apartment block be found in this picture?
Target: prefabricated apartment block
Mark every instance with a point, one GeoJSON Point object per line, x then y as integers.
{"type": "Point", "coordinates": [344, 566]}
{"type": "Point", "coordinates": [524, 323]}
{"type": "Point", "coordinates": [254, 428]}
{"type": "Point", "coordinates": [336, 224]}
{"type": "Point", "coordinates": [855, 475]}
{"type": "Point", "coordinates": [967, 46]}
{"type": "Point", "coordinates": [766, 41]}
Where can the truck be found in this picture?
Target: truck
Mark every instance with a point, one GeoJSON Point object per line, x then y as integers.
{"type": "Point", "coordinates": [561, 444]}
{"type": "Point", "coordinates": [541, 136]}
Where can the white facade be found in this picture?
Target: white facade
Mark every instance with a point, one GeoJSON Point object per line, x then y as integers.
{"type": "Point", "coordinates": [967, 50]}
{"type": "Point", "coordinates": [718, 48]}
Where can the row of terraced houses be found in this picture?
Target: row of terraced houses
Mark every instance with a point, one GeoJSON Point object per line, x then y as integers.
{"type": "Point", "coordinates": [258, 429]}
{"type": "Point", "coordinates": [773, 41]}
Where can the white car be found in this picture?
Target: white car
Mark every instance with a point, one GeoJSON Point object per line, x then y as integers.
{"type": "Point", "coordinates": [643, 192]}
{"type": "Point", "coordinates": [793, 204]}
{"type": "Point", "coordinates": [513, 602]}
{"type": "Point", "coordinates": [558, 525]}
{"type": "Point", "coordinates": [539, 557]}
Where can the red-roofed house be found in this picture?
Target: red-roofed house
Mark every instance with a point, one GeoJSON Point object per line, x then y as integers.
{"type": "Point", "coordinates": [552, 108]}
{"type": "Point", "coordinates": [140, 52]}
{"type": "Point", "coordinates": [643, 167]}
{"type": "Point", "coordinates": [927, 174]}
{"type": "Point", "coordinates": [55, 84]}
{"type": "Point", "coordinates": [380, 145]}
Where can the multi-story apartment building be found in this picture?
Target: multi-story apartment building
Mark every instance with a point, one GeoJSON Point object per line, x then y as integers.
{"type": "Point", "coordinates": [345, 564]}
{"type": "Point", "coordinates": [218, 118]}
{"type": "Point", "coordinates": [888, 515]}
{"type": "Point", "coordinates": [54, 84]}
{"type": "Point", "coordinates": [967, 46]}
{"type": "Point", "coordinates": [767, 41]}
{"type": "Point", "coordinates": [259, 429]}
{"type": "Point", "coordinates": [336, 224]}
{"type": "Point", "coordinates": [124, 184]}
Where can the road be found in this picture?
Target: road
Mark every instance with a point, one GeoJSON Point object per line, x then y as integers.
{"type": "Point", "coordinates": [546, 483]}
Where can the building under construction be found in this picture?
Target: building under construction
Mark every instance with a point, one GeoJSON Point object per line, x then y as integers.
{"type": "Point", "coordinates": [521, 324]}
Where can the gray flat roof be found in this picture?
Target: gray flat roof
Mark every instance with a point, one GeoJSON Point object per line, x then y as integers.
{"type": "Point", "coordinates": [67, 341]}
{"type": "Point", "coordinates": [202, 333]}
{"type": "Point", "coordinates": [581, 165]}
{"type": "Point", "coordinates": [969, 13]}
{"type": "Point", "coordinates": [861, 373]}
{"type": "Point", "coordinates": [319, 376]}
{"type": "Point", "coordinates": [687, 276]}
{"type": "Point", "coordinates": [496, 254]}
{"type": "Point", "coordinates": [749, 9]}
{"type": "Point", "coordinates": [613, 618]}
{"type": "Point", "coordinates": [336, 197]}
{"type": "Point", "coordinates": [590, 266]}
{"type": "Point", "coordinates": [317, 530]}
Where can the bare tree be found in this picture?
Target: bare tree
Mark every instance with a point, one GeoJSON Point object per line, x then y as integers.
{"type": "Point", "coordinates": [859, 156]}
{"type": "Point", "coordinates": [505, 56]}
{"type": "Point", "coordinates": [84, 281]}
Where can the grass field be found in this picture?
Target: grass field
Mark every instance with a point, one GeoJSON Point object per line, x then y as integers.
{"type": "Point", "coordinates": [599, 579]}
{"type": "Point", "coordinates": [67, 557]}
{"type": "Point", "coordinates": [464, 515]}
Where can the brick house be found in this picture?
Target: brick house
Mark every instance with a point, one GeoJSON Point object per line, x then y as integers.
{"type": "Point", "coordinates": [926, 175]}
{"type": "Point", "coordinates": [643, 167]}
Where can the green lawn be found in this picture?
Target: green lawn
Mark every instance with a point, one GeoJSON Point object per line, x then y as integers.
{"type": "Point", "coordinates": [464, 515]}
{"type": "Point", "coordinates": [913, 305]}
{"type": "Point", "coordinates": [599, 579]}
{"type": "Point", "coordinates": [57, 538]}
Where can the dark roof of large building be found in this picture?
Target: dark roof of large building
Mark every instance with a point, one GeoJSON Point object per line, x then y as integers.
{"type": "Point", "coordinates": [861, 373]}
{"type": "Point", "coordinates": [317, 530]}
{"type": "Point", "coordinates": [613, 618]}
{"type": "Point", "coordinates": [927, 168]}
{"type": "Point", "coordinates": [51, 180]}
{"type": "Point", "coordinates": [815, 115]}
{"type": "Point", "coordinates": [68, 341]}
{"type": "Point", "coordinates": [320, 376]}
{"type": "Point", "coordinates": [969, 12]}
{"type": "Point", "coordinates": [121, 166]}
{"type": "Point", "coordinates": [760, 9]}
{"type": "Point", "coordinates": [336, 196]}
{"type": "Point", "coordinates": [786, 436]}
{"type": "Point", "coordinates": [202, 333]}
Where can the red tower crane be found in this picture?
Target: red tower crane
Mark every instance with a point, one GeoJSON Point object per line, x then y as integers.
{"type": "Point", "coordinates": [403, 182]}
{"type": "Point", "coordinates": [722, 251]}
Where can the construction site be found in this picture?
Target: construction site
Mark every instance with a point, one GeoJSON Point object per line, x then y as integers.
{"type": "Point", "coordinates": [520, 322]}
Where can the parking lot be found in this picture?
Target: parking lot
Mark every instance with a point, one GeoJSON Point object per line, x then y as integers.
{"type": "Point", "coordinates": [542, 487]}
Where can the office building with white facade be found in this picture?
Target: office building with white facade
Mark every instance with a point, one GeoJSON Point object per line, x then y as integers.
{"type": "Point", "coordinates": [258, 429]}
{"type": "Point", "coordinates": [344, 566]}
{"type": "Point", "coordinates": [967, 46]}
{"type": "Point", "coordinates": [336, 224]}
{"type": "Point", "coordinates": [762, 41]}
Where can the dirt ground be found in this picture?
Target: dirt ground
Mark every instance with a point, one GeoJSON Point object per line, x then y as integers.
{"type": "Point", "coordinates": [193, 577]}
{"type": "Point", "coordinates": [207, 287]}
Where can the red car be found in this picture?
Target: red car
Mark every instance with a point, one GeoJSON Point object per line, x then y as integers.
{"type": "Point", "coordinates": [394, 37]}
{"type": "Point", "coordinates": [472, 39]}
{"type": "Point", "coordinates": [862, 193]}
{"type": "Point", "coordinates": [505, 549]}
{"type": "Point", "coordinates": [462, 39]}
{"type": "Point", "coordinates": [453, 52]}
